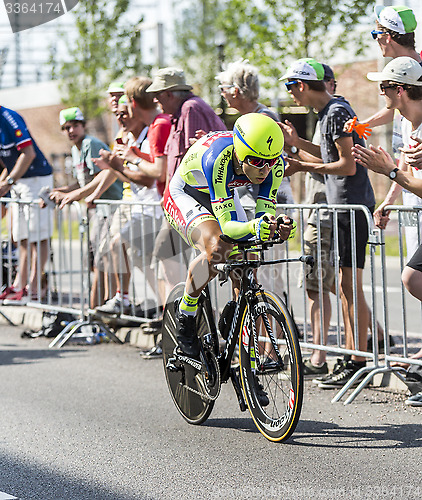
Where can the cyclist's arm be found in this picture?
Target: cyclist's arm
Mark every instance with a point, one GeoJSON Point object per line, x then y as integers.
{"type": "Point", "coordinates": [218, 175]}
{"type": "Point", "coordinates": [267, 196]}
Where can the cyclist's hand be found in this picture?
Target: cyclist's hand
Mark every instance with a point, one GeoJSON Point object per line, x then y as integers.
{"type": "Point", "coordinates": [265, 227]}
{"type": "Point", "coordinates": [286, 227]}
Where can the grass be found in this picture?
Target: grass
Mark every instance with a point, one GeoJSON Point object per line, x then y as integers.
{"type": "Point", "coordinates": [74, 228]}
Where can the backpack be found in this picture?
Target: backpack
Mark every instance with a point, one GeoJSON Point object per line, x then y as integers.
{"type": "Point", "coordinates": [52, 324]}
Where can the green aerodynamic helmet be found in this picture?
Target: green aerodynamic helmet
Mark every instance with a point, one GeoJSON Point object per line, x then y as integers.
{"type": "Point", "coordinates": [256, 134]}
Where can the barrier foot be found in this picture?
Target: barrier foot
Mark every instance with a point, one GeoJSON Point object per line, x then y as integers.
{"type": "Point", "coordinates": [364, 383]}
{"type": "Point", "coordinates": [109, 332]}
{"type": "Point", "coordinates": [349, 384]}
{"type": "Point", "coordinates": [7, 319]}
{"type": "Point", "coordinates": [66, 333]}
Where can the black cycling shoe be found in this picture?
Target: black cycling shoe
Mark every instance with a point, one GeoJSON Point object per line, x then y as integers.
{"type": "Point", "coordinates": [261, 395]}
{"type": "Point", "coordinates": [186, 332]}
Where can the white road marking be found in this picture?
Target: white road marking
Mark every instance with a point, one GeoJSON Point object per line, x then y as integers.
{"type": "Point", "coordinates": [5, 496]}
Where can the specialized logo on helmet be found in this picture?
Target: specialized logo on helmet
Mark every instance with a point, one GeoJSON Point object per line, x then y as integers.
{"type": "Point", "coordinates": [269, 142]}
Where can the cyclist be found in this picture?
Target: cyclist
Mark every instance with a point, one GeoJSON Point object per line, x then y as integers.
{"type": "Point", "coordinates": [201, 204]}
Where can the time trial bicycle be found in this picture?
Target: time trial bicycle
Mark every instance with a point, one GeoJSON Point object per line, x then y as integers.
{"type": "Point", "coordinates": [268, 380]}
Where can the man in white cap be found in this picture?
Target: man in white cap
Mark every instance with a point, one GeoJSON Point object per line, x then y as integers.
{"type": "Point", "coordinates": [346, 183]}
{"type": "Point", "coordinates": [395, 35]}
{"type": "Point", "coordinates": [401, 86]}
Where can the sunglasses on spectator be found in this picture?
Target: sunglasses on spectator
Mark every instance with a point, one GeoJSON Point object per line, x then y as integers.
{"type": "Point", "coordinates": [389, 86]}
{"type": "Point", "coordinates": [253, 161]}
{"type": "Point", "coordinates": [222, 88]}
{"type": "Point", "coordinates": [289, 84]}
{"type": "Point", "coordinates": [375, 33]}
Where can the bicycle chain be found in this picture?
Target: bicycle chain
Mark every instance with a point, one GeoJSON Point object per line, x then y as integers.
{"type": "Point", "coordinates": [202, 394]}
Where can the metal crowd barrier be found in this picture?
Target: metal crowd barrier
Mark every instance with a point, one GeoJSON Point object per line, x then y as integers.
{"type": "Point", "coordinates": [283, 279]}
{"type": "Point", "coordinates": [62, 284]}
{"type": "Point", "coordinates": [69, 277]}
{"type": "Point", "coordinates": [403, 218]}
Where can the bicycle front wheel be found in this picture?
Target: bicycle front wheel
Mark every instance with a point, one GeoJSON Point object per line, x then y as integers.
{"type": "Point", "coordinates": [186, 383]}
{"type": "Point", "coordinates": [271, 367]}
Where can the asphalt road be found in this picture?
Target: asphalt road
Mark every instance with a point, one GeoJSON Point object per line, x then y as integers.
{"type": "Point", "coordinates": [97, 422]}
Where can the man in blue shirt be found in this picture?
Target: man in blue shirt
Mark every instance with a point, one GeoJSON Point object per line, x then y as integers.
{"type": "Point", "coordinates": [26, 173]}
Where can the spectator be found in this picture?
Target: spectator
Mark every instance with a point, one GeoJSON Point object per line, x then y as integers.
{"type": "Point", "coordinates": [27, 172]}
{"type": "Point", "coordinates": [346, 182]}
{"type": "Point", "coordinates": [115, 91]}
{"type": "Point", "coordinates": [189, 114]}
{"type": "Point", "coordinates": [239, 85]}
{"type": "Point", "coordinates": [395, 35]}
{"type": "Point", "coordinates": [89, 181]}
{"type": "Point", "coordinates": [316, 364]}
{"type": "Point", "coordinates": [134, 115]}
{"type": "Point", "coordinates": [401, 86]}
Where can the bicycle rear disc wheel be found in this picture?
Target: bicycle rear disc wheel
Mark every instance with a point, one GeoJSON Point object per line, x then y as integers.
{"type": "Point", "coordinates": [186, 384]}
{"type": "Point", "coordinates": [263, 370]}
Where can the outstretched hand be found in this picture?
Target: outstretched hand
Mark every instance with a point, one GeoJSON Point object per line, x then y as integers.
{"type": "Point", "coordinates": [290, 133]}
{"type": "Point", "coordinates": [362, 129]}
{"type": "Point", "coordinates": [414, 155]}
{"type": "Point", "coordinates": [292, 166]}
{"type": "Point", "coordinates": [375, 159]}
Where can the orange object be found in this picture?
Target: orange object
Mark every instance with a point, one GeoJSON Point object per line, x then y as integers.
{"type": "Point", "coordinates": [361, 129]}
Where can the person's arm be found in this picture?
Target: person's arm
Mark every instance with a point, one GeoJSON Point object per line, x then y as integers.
{"type": "Point", "coordinates": [156, 169]}
{"type": "Point", "coordinates": [83, 192]}
{"type": "Point", "coordinates": [345, 165]}
{"type": "Point", "coordinates": [382, 216]}
{"type": "Point", "coordinates": [22, 164]}
{"type": "Point", "coordinates": [378, 160]}
{"type": "Point", "coordinates": [122, 172]}
{"type": "Point", "coordinates": [292, 138]}
{"type": "Point", "coordinates": [382, 117]}
{"type": "Point", "coordinates": [106, 179]}
{"type": "Point", "coordinates": [3, 173]}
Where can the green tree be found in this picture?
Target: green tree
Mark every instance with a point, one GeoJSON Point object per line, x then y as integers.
{"type": "Point", "coordinates": [270, 33]}
{"type": "Point", "coordinates": [105, 47]}
{"type": "Point", "coordinates": [197, 51]}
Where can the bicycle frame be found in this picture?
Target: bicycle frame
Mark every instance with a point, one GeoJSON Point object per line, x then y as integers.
{"type": "Point", "coordinates": [247, 298]}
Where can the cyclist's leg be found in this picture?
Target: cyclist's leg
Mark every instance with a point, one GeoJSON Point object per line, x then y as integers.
{"type": "Point", "coordinates": [201, 230]}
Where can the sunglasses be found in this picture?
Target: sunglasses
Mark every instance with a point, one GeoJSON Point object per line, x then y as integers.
{"type": "Point", "coordinates": [253, 161]}
{"type": "Point", "coordinates": [383, 87]}
{"type": "Point", "coordinates": [222, 88]}
{"type": "Point", "coordinates": [289, 84]}
{"type": "Point", "coordinates": [375, 33]}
